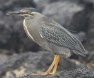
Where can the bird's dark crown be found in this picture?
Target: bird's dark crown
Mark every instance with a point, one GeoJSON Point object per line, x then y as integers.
{"type": "Point", "coordinates": [28, 10]}
{"type": "Point", "coordinates": [23, 12]}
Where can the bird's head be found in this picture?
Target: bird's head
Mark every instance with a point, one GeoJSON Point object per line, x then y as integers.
{"type": "Point", "coordinates": [23, 12]}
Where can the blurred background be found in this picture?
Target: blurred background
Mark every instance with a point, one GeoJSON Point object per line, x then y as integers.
{"type": "Point", "coordinates": [18, 53]}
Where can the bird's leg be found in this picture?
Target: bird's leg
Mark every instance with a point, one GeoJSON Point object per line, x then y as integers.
{"type": "Point", "coordinates": [53, 67]}
{"type": "Point", "coordinates": [55, 64]}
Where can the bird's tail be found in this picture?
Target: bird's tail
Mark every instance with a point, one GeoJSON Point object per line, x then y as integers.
{"type": "Point", "coordinates": [84, 54]}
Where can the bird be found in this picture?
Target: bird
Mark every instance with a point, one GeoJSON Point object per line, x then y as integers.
{"type": "Point", "coordinates": [50, 35]}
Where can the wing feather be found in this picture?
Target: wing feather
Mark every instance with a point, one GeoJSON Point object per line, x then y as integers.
{"type": "Point", "coordinates": [54, 33]}
{"type": "Point", "coordinates": [57, 36]}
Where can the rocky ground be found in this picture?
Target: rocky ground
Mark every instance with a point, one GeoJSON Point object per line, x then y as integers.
{"type": "Point", "coordinates": [19, 56]}
{"type": "Point", "coordinates": [23, 65]}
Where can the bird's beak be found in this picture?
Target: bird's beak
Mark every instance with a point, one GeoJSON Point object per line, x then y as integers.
{"type": "Point", "coordinates": [16, 13]}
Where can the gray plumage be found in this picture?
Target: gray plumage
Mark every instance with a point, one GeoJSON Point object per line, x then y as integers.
{"type": "Point", "coordinates": [51, 35]}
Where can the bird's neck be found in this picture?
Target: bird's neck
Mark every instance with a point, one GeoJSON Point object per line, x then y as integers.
{"type": "Point", "coordinates": [26, 30]}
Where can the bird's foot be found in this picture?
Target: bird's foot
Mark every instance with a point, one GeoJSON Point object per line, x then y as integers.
{"type": "Point", "coordinates": [46, 73]}
{"type": "Point", "coordinates": [43, 73]}
{"type": "Point", "coordinates": [52, 69]}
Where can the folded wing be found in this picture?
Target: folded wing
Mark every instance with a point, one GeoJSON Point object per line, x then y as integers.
{"type": "Point", "coordinates": [56, 34]}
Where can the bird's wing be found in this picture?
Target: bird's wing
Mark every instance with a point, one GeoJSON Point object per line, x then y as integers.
{"type": "Point", "coordinates": [53, 32]}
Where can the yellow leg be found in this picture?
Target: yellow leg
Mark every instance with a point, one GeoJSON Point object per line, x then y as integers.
{"type": "Point", "coordinates": [52, 69]}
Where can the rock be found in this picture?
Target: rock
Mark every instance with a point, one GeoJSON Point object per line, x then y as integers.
{"type": "Point", "coordinates": [3, 58]}
{"type": "Point", "coordinates": [71, 1]}
{"type": "Point", "coordinates": [90, 28]}
{"type": "Point", "coordinates": [81, 36]}
{"type": "Point", "coordinates": [80, 72]}
{"type": "Point", "coordinates": [22, 65]}
{"type": "Point", "coordinates": [40, 4]}
{"type": "Point", "coordinates": [88, 1]}
{"type": "Point", "coordinates": [6, 5]}
{"type": "Point", "coordinates": [90, 40]}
